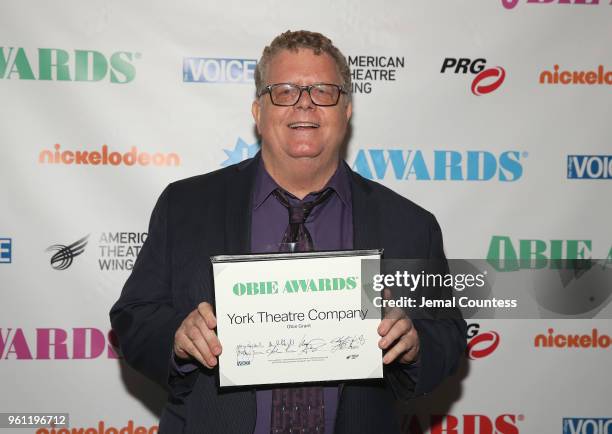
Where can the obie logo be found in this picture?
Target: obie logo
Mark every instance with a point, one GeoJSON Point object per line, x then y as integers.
{"type": "Point", "coordinates": [211, 70]}
{"type": "Point", "coordinates": [511, 4]}
{"type": "Point", "coordinates": [480, 344]}
{"type": "Point", "coordinates": [62, 65]}
{"type": "Point", "coordinates": [408, 164]}
{"type": "Point", "coordinates": [503, 256]}
{"type": "Point", "coordinates": [589, 166]}
{"type": "Point", "coordinates": [587, 425]}
{"type": "Point", "coordinates": [292, 286]}
{"type": "Point", "coordinates": [485, 81]}
{"type": "Point", "coordinates": [466, 424]}
{"type": "Point", "coordinates": [78, 343]}
{"type": "Point", "coordinates": [106, 157]}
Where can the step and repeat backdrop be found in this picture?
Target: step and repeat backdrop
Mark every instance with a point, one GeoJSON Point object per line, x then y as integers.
{"type": "Point", "coordinates": [493, 114]}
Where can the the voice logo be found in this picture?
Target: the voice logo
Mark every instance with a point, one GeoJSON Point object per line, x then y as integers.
{"type": "Point", "coordinates": [585, 425]}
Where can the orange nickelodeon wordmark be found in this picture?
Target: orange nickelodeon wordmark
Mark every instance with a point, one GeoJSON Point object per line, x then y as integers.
{"type": "Point", "coordinates": [102, 429]}
{"type": "Point", "coordinates": [601, 76]}
{"type": "Point", "coordinates": [594, 340]}
{"type": "Point", "coordinates": [104, 157]}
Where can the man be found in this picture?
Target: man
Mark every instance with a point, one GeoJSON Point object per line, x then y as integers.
{"type": "Point", "coordinates": [165, 316]}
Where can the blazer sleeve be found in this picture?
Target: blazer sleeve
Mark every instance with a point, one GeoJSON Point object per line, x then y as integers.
{"type": "Point", "coordinates": [442, 338]}
{"type": "Point", "coordinates": [144, 317]}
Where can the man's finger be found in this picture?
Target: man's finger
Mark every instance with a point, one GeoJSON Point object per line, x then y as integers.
{"type": "Point", "coordinates": [209, 335]}
{"type": "Point", "coordinates": [386, 294]}
{"type": "Point", "coordinates": [181, 353]}
{"type": "Point", "coordinates": [391, 317]}
{"type": "Point", "coordinates": [399, 328]}
{"type": "Point", "coordinates": [385, 325]}
{"type": "Point", "coordinates": [389, 320]}
{"type": "Point", "coordinates": [400, 347]}
{"type": "Point", "coordinates": [212, 341]}
{"type": "Point", "coordinates": [187, 347]}
{"type": "Point", "coordinates": [395, 313]}
{"type": "Point", "coordinates": [206, 311]}
{"type": "Point", "coordinates": [201, 344]}
{"type": "Point", "coordinates": [199, 322]}
{"type": "Point", "coordinates": [411, 355]}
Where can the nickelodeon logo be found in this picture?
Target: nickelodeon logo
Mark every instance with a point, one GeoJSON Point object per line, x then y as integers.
{"type": "Point", "coordinates": [593, 340]}
{"type": "Point", "coordinates": [102, 429]}
{"type": "Point", "coordinates": [557, 76]}
{"type": "Point", "coordinates": [106, 157]}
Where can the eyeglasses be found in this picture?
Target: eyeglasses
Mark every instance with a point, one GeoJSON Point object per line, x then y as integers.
{"type": "Point", "coordinates": [288, 94]}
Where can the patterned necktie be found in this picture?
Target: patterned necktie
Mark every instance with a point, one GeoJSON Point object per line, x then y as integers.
{"type": "Point", "coordinates": [296, 231]}
{"type": "Point", "coordinates": [298, 410]}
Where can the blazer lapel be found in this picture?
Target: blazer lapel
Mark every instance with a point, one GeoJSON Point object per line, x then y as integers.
{"type": "Point", "coordinates": [238, 207]}
{"type": "Point", "coordinates": [366, 215]}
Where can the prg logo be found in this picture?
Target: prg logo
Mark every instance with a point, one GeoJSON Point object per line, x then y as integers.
{"type": "Point", "coordinates": [587, 425]}
{"type": "Point", "coordinates": [64, 255]}
{"type": "Point", "coordinates": [6, 250]}
{"type": "Point", "coordinates": [210, 70]}
{"type": "Point", "coordinates": [481, 344]}
{"type": "Point", "coordinates": [486, 80]}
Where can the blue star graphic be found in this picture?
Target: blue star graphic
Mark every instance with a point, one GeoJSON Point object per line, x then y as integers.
{"type": "Point", "coordinates": [241, 152]}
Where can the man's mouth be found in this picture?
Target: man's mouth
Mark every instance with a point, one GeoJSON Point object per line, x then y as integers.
{"type": "Point", "coordinates": [303, 125]}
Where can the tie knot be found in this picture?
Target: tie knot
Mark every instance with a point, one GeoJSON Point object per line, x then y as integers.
{"type": "Point", "coordinates": [296, 231]}
{"type": "Point", "coordinates": [299, 213]}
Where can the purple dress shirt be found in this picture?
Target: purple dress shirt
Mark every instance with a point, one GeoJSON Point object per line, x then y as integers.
{"type": "Point", "coordinates": [331, 228]}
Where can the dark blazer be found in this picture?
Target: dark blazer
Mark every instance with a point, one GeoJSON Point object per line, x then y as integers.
{"type": "Point", "coordinates": [210, 215]}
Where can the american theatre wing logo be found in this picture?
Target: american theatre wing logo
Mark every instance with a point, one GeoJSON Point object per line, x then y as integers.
{"type": "Point", "coordinates": [64, 255]}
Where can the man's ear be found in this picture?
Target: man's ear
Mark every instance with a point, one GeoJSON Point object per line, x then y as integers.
{"type": "Point", "coordinates": [256, 111]}
{"type": "Point", "coordinates": [349, 111]}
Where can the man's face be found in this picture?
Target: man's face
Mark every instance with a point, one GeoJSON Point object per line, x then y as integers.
{"type": "Point", "coordinates": [303, 131]}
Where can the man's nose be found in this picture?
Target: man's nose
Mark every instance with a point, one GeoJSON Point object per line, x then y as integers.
{"type": "Point", "coordinates": [304, 102]}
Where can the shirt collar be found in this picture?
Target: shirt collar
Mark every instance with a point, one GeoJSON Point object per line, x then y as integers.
{"type": "Point", "coordinates": [265, 185]}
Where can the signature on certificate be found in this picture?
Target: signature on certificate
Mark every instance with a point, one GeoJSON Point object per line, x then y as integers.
{"type": "Point", "coordinates": [300, 346]}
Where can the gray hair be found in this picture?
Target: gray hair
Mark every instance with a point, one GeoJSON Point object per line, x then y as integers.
{"type": "Point", "coordinates": [293, 41]}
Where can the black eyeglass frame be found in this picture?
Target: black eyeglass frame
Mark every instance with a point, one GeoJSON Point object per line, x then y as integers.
{"type": "Point", "coordinates": [268, 89]}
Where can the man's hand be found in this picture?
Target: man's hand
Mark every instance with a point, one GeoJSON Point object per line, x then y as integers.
{"type": "Point", "coordinates": [399, 337]}
{"type": "Point", "coordinates": [196, 337]}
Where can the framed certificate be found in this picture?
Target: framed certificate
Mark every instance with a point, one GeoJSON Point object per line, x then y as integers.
{"type": "Point", "coordinates": [296, 317]}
